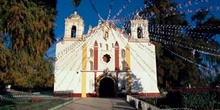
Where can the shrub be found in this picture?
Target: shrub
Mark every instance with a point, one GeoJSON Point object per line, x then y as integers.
{"type": "Point", "coordinates": [202, 98]}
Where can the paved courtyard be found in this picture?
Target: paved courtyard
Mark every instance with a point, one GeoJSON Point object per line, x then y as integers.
{"type": "Point", "coordinates": [97, 104]}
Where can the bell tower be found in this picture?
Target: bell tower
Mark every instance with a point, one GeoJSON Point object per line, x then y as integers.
{"type": "Point", "coordinates": [74, 27]}
{"type": "Point", "coordinates": [139, 28]}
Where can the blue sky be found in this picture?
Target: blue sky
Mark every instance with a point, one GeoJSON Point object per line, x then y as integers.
{"type": "Point", "coordinates": [87, 12]}
{"type": "Point", "coordinates": [129, 7]}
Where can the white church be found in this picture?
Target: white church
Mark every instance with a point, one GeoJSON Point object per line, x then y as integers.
{"type": "Point", "coordinates": [105, 62]}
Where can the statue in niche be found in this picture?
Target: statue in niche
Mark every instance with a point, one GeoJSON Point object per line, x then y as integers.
{"type": "Point", "coordinates": [106, 35]}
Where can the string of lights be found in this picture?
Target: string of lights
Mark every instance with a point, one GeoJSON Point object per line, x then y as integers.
{"type": "Point", "coordinates": [179, 6]}
{"type": "Point", "coordinates": [75, 54]}
{"type": "Point", "coordinates": [63, 64]}
{"type": "Point", "coordinates": [170, 30]}
{"type": "Point", "coordinates": [138, 55]}
{"type": "Point", "coordinates": [76, 62]}
{"type": "Point", "coordinates": [158, 33]}
{"type": "Point", "coordinates": [158, 38]}
{"type": "Point", "coordinates": [190, 61]}
{"type": "Point", "coordinates": [123, 40]}
{"type": "Point", "coordinates": [110, 9]}
{"type": "Point", "coordinates": [93, 6]}
{"type": "Point", "coordinates": [76, 51]}
{"type": "Point", "coordinates": [89, 42]}
{"type": "Point", "coordinates": [145, 48]}
{"type": "Point", "coordinates": [185, 42]}
{"type": "Point", "coordinates": [62, 55]}
{"type": "Point", "coordinates": [121, 9]}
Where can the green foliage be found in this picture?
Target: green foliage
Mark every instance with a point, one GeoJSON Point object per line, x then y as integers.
{"type": "Point", "coordinates": [194, 98]}
{"type": "Point", "coordinates": [200, 100]}
{"type": "Point", "coordinates": [29, 24]}
{"type": "Point", "coordinates": [197, 98]}
{"type": "Point", "coordinates": [199, 17]}
{"type": "Point", "coordinates": [173, 71]}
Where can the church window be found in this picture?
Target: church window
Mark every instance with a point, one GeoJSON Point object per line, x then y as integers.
{"type": "Point", "coordinates": [123, 65]}
{"type": "Point", "coordinates": [122, 53]}
{"type": "Point", "coordinates": [91, 52]}
{"type": "Point", "coordinates": [101, 45]}
{"type": "Point", "coordinates": [106, 46]}
{"type": "Point", "coordinates": [106, 58]}
{"type": "Point", "coordinates": [139, 32]}
{"type": "Point", "coordinates": [73, 31]}
{"type": "Point", "coordinates": [91, 65]}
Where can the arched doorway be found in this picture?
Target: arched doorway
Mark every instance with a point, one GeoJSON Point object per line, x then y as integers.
{"type": "Point", "coordinates": [107, 87]}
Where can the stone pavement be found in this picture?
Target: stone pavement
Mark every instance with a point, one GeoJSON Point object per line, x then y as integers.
{"type": "Point", "coordinates": [97, 104]}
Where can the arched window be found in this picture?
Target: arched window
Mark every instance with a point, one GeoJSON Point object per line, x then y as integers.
{"type": "Point", "coordinates": [123, 65]}
{"type": "Point", "coordinates": [91, 52]}
{"type": "Point", "coordinates": [106, 46]}
{"type": "Point", "coordinates": [91, 65]}
{"type": "Point", "coordinates": [122, 53]}
{"type": "Point", "coordinates": [73, 31]}
{"type": "Point", "coordinates": [139, 32]}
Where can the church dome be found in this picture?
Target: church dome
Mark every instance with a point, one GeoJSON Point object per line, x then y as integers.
{"type": "Point", "coordinates": [75, 15]}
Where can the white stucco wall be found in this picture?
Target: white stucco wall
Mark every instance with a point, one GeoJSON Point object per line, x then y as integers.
{"type": "Point", "coordinates": [143, 66]}
{"type": "Point", "coordinates": [68, 68]}
{"type": "Point", "coordinates": [68, 65]}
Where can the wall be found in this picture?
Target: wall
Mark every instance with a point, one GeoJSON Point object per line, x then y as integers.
{"type": "Point", "coordinates": [140, 105]}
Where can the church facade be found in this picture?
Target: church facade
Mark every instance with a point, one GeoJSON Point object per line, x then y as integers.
{"type": "Point", "coordinates": [106, 61]}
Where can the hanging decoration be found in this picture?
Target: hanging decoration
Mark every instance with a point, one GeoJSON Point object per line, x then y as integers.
{"type": "Point", "coordinates": [110, 9]}
{"type": "Point", "coordinates": [190, 61]}
{"type": "Point", "coordinates": [141, 62]}
{"type": "Point", "coordinates": [93, 6]}
{"type": "Point", "coordinates": [166, 42]}
{"type": "Point", "coordinates": [159, 33]}
{"type": "Point", "coordinates": [124, 6]}
{"type": "Point", "coordinates": [169, 34]}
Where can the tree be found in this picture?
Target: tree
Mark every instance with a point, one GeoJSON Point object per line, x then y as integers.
{"type": "Point", "coordinates": [208, 29]}
{"type": "Point", "coordinates": [76, 3]}
{"type": "Point", "coordinates": [199, 17]}
{"type": "Point", "coordinates": [29, 25]}
{"type": "Point", "coordinates": [178, 62]}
